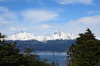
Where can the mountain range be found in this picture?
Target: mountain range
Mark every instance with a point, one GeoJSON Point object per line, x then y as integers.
{"type": "Point", "coordinates": [58, 41]}
{"type": "Point", "coordinates": [28, 36]}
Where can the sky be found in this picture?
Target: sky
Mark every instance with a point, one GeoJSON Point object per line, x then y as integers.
{"type": "Point", "coordinates": [42, 17]}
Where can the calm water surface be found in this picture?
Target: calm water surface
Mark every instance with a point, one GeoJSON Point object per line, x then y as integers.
{"type": "Point", "coordinates": [60, 57]}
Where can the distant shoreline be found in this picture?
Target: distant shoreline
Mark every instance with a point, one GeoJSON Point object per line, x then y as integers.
{"type": "Point", "coordinates": [49, 53]}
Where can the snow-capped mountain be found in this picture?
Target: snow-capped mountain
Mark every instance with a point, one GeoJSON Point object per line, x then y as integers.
{"type": "Point", "coordinates": [58, 35]}
{"type": "Point", "coordinates": [21, 36]}
{"type": "Point", "coordinates": [28, 36]}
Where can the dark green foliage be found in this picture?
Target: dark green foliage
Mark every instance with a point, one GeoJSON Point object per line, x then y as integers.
{"type": "Point", "coordinates": [86, 51]}
{"type": "Point", "coordinates": [11, 56]}
{"type": "Point", "coordinates": [1, 38]}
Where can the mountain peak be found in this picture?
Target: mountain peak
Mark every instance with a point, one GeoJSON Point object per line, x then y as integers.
{"type": "Point", "coordinates": [21, 32]}
{"type": "Point", "coordinates": [21, 36]}
{"type": "Point", "coordinates": [57, 32]}
{"type": "Point", "coordinates": [58, 36]}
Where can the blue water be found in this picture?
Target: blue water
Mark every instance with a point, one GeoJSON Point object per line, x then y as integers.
{"type": "Point", "coordinates": [59, 57]}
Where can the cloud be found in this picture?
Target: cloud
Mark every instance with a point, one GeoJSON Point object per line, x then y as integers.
{"type": "Point", "coordinates": [45, 26]}
{"type": "Point", "coordinates": [89, 20]}
{"type": "Point", "coordinates": [18, 28]}
{"type": "Point", "coordinates": [81, 24]}
{"type": "Point", "coordinates": [25, 20]}
{"type": "Point", "coordinates": [35, 16]}
{"type": "Point", "coordinates": [86, 2]}
{"type": "Point", "coordinates": [9, 19]}
{"type": "Point", "coordinates": [6, 16]}
{"type": "Point", "coordinates": [94, 12]}
{"type": "Point", "coordinates": [38, 15]}
{"type": "Point", "coordinates": [41, 27]}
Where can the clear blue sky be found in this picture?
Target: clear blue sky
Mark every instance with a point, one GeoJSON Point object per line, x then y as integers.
{"type": "Point", "coordinates": [42, 17]}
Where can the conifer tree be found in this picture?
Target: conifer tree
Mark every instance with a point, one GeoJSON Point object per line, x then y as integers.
{"type": "Point", "coordinates": [86, 51]}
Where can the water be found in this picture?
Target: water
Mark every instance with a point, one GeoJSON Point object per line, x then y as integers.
{"type": "Point", "coordinates": [60, 57]}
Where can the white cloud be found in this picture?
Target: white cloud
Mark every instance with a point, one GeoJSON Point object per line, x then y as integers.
{"type": "Point", "coordinates": [13, 21]}
{"type": "Point", "coordinates": [81, 24]}
{"type": "Point", "coordinates": [18, 28]}
{"type": "Point", "coordinates": [89, 20]}
{"type": "Point", "coordinates": [45, 26]}
{"type": "Point", "coordinates": [41, 27]}
{"type": "Point", "coordinates": [87, 2]}
{"type": "Point", "coordinates": [38, 15]}
{"type": "Point", "coordinates": [94, 12]}
{"type": "Point", "coordinates": [6, 16]}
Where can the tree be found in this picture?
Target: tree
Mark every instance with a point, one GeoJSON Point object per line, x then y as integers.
{"type": "Point", "coordinates": [86, 51]}
{"type": "Point", "coordinates": [11, 56]}
{"type": "Point", "coordinates": [1, 38]}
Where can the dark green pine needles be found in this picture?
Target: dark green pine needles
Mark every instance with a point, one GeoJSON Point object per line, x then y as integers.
{"type": "Point", "coordinates": [86, 51]}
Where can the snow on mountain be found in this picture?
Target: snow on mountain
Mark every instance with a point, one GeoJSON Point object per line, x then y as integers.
{"type": "Point", "coordinates": [58, 35]}
{"type": "Point", "coordinates": [40, 38]}
{"type": "Point", "coordinates": [21, 36]}
{"type": "Point", "coordinates": [28, 36]}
